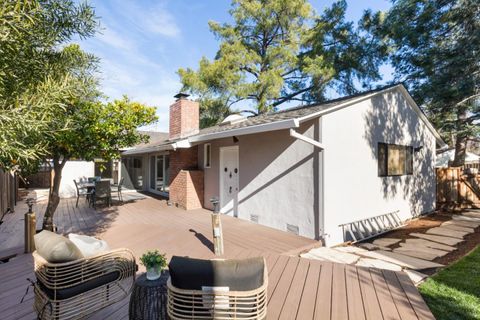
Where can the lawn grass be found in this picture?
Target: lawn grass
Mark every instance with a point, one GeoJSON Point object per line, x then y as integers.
{"type": "Point", "coordinates": [454, 293]}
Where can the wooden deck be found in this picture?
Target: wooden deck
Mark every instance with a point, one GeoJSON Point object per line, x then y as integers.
{"type": "Point", "coordinates": [298, 288]}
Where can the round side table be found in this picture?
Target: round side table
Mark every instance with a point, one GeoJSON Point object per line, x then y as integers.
{"type": "Point", "coordinates": [149, 298]}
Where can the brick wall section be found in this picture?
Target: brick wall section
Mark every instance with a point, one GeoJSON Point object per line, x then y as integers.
{"type": "Point", "coordinates": [184, 118]}
{"type": "Point", "coordinates": [186, 181]}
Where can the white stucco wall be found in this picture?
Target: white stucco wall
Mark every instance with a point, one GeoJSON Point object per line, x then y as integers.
{"type": "Point", "coordinates": [353, 189]}
{"type": "Point", "coordinates": [276, 178]}
{"type": "Point", "coordinates": [75, 170]}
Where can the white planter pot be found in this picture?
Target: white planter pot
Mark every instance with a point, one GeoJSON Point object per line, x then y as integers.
{"type": "Point", "coordinates": [153, 273]}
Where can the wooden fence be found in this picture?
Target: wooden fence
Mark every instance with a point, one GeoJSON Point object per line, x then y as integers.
{"type": "Point", "coordinates": [8, 191]}
{"type": "Point", "coordinates": [456, 189]}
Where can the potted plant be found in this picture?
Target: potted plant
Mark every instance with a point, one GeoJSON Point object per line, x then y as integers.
{"type": "Point", "coordinates": [155, 262]}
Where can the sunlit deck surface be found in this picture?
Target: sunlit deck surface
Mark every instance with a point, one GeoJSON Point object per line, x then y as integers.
{"type": "Point", "coordinates": [298, 288]}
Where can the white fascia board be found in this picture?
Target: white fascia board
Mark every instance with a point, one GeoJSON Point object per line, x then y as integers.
{"type": "Point", "coordinates": [148, 150]}
{"type": "Point", "coordinates": [182, 144]}
{"type": "Point", "coordinates": [272, 126]}
{"type": "Point", "coordinates": [405, 93]}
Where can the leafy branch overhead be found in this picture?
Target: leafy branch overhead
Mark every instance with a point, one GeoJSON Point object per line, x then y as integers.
{"type": "Point", "coordinates": [280, 51]}
{"type": "Point", "coordinates": [434, 47]}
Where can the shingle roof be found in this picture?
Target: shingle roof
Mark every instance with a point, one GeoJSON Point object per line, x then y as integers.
{"type": "Point", "coordinates": [156, 138]}
{"type": "Point", "coordinates": [291, 113]}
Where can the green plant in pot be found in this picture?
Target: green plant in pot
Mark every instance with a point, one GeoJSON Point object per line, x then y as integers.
{"type": "Point", "coordinates": [155, 262]}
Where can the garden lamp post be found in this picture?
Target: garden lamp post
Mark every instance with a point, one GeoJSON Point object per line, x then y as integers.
{"type": "Point", "coordinates": [217, 228]}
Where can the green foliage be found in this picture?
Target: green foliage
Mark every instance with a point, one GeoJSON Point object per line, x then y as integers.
{"type": "Point", "coordinates": [277, 51]}
{"type": "Point", "coordinates": [434, 47]}
{"type": "Point", "coordinates": [94, 129]}
{"type": "Point", "coordinates": [153, 258]}
{"type": "Point", "coordinates": [454, 293]}
{"type": "Point", "coordinates": [37, 75]}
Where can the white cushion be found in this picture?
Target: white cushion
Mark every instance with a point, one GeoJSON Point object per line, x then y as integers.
{"type": "Point", "coordinates": [89, 246]}
{"type": "Point", "coordinates": [56, 248]}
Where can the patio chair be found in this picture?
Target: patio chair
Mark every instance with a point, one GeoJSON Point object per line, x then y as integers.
{"type": "Point", "coordinates": [119, 187]}
{"type": "Point", "coordinates": [102, 192]}
{"type": "Point", "coordinates": [217, 289]}
{"type": "Point", "coordinates": [82, 192]}
{"type": "Point", "coordinates": [78, 288]}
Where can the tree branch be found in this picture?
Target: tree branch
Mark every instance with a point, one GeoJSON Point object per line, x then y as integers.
{"type": "Point", "coordinates": [290, 96]}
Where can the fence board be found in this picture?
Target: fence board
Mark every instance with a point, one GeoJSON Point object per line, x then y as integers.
{"type": "Point", "coordinates": [8, 191]}
{"type": "Point", "coordinates": [456, 189]}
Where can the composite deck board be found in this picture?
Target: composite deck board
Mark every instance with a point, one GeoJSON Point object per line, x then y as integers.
{"type": "Point", "coordinates": [298, 288]}
{"type": "Point", "coordinates": [354, 294]}
{"type": "Point", "coordinates": [339, 293]}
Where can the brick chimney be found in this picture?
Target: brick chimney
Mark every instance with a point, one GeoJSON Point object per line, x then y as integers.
{"type": "Point", "coordinates": [184, 117]}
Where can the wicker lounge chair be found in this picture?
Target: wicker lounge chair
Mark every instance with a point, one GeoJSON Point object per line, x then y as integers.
{"type": "Point", "coordinates": [75, 289]}
{"type": "Point", "coordinates": [217, 289]}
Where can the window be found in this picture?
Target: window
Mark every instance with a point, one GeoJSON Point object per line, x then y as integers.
{"type": "Point", "coordinates": [207, 155]}
{"type": "Point", "coordinates": [394, 160]}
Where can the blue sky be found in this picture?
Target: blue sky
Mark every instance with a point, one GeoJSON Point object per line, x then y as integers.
{"type": "Point", "coordinates": [143, 43]}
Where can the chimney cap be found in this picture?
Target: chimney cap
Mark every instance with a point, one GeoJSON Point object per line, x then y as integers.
{"type": "Point", "coordinates": [181, 95]}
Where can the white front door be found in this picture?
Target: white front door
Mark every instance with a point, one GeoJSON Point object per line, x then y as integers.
{"type": "Point", "coordinates": [229, 173]}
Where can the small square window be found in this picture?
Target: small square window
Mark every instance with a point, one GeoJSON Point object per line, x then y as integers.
{"type": "Point", "coordinates": [394, 160]}
{"type": "Point", "coordinates": [207, 155]}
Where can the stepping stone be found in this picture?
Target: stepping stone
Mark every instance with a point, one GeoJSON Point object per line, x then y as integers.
{"type": "Point", "coordinates": [350, 249]}
{"type": "Point", "coordinates": [466, 224]}
{"type": "Point", "coordinates": [415, 276]}
{"type": "Point", "coordinates": [371, 246]}
{"type": "Point", "coordinates": [471, 213]}
{"type": "Point", "coordinates": [447, 232]}
{"type": "Point", "coordinates": [429, 244]}
{"type": "Point", "coordinates": [401, 260]}
{"type": "Point", "coordinates": [457, 227]}
{"type": "Point", "coordinates": [379, 264]}
{"type": "Point", "coordinates": [415, 253]}
{"type": "Point", "coordinates": [333, 255]}
{"type": "Point", "coordinates": [444, 240]}
{"type": "Point", "coordinates": [465, 218]}
{"type": "Point", "coordinates": [422, 248]}
{"type": "Point", "coordinates": [312, 257]}
{"type": "Point", "coordinates": [386, 242]}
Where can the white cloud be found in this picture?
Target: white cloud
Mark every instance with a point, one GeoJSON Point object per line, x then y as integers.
{"type": "Point", "coordinates": [154, 19]}
{"type": "Point", "coordinates": [110, 37]}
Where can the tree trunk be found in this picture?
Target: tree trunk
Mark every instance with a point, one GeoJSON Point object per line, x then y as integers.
{"type": "Point", "coordinates": [53, 197]}
{"type": "Point", "coordinates": [461, 139]}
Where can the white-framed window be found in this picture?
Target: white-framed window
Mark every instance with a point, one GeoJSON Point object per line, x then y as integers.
{"type": "Point", "coordinates": [207, 155]}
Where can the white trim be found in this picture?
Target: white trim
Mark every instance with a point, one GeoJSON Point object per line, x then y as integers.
{"type": "Point", "coordinates": [299, 136]}
{"type": "Point", "coordinates": [164, 147]}
{"type": "Point", "coordinates": [207, 155]}
{"type": "Point", "coordinates": [272, 126]}
{"type": "Point", "coordinates": [220, 197]}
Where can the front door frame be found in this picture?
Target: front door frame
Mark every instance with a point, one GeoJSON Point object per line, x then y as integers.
{"type": "Point", "coordinates": [220, 177]}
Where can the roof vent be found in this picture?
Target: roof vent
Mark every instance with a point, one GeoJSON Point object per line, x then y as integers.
{"type": "Point", "coordinates": [232, 119]}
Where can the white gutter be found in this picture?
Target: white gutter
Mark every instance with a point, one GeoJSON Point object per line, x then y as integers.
{"type": "Point", "coordinates": [272, 126]}
{"type": "Point", "coordinates": [299, 136]}
{"type": "Point", "coordinates": [148, 150]}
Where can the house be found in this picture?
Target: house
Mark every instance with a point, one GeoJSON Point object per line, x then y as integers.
{"type": "Point", "coordinates": [305, 170]}
{"type": "Point", "coordinates": [445, 157]}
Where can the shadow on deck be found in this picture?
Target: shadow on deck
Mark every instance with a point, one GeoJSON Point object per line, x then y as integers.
{"type": "Point", "coordinates": [298, 288]}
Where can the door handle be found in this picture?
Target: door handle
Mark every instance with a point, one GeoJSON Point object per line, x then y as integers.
{"type": "Point", "coordinates": [230, 191]}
